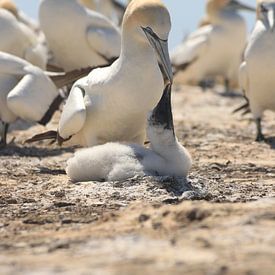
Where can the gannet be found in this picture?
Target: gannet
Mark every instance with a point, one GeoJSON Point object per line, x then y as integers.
{"type": "Point", "coordinates": [112, 9]}
{"type": "Point", "coordinates": [256, 72]}
{"type": "Point", "coordinates": [77, 36]}
{"type": "Point", "coordinates": [209, 51]}
{"type": "Point", "coordinates": [117, 161]}
{"type": "Point", "coordinates": [111, 103]}
{"type": "Point", "coordinates": [18, 39]}
{"type": "Point", "coordinates": [20, 15]}
{"type": "Point", "coordinates": [29, 93]}
{"type": "Point", "coordinates": [25, 92]}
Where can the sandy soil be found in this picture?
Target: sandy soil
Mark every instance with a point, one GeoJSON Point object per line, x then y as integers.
{"type": "Point", "coordinates": [222, 221]}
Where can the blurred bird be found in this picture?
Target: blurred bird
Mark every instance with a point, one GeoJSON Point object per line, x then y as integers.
{"type": "Point", "coordinates": [112, 9]}
{"type": "Point", "coordinates": [117, 161]}
{"type": "Point", "coordinates": [257, 70]}
{"type": "Point", "coordinates": [208, 52]}
{"type": "Point", "coordinates": [112, 103]}
{"type": "Point", "coordinates": [20, 15]}
{"type": "Point", "coordinates": [77, 36]}
{"type": "Point", "coordinates": [29, 93]}
{"type": "Point", "coordinates": [18, 39]}
{"type": "Point", "coordinates": [25, 92]}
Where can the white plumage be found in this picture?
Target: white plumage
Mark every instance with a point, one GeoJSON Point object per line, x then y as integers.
{"type": "Point", "coordinates": [116, 161]}
{"type": "Point", "coordinates": [18, 39]}
{"type": "Point", "coordinates": [215, 49]}
{"type": "Point", "coordinates": [25, 90]}
{"type": "Point", "coordinates": [77, 36]}
{"type": "Point", "coordinates": [112, 103]}
{"type": "Point", "coordinates": [257, 70]}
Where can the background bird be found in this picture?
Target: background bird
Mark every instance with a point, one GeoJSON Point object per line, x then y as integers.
{"type": "Point", "coordinates": [112, 9]}
{"type": "Point", "coordinates": [20, 40]}
{"type": "Point", "coordinates": [77, 36]}
{"type": "Point", "coordinates": [208, 52]}
{"type": "Point", "coordinates": [257, 70]}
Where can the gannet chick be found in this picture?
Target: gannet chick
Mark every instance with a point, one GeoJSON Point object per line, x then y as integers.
{"type": "Point", "coordinates": [112, 103]}
{"type": "Point", "coordinates": [112, 9]}
{"type": "Point", "coordinates": [256, 72]}
{"type": "Point", "coordinates": [206, 52]}
{"type": "Point", "coordinates": [117, 161]}
{"type": "Point", "coordinates": [77, 36]}
{"type": "Point", "coordinates": [18, 39]}
{"type": "Point", "coordinates": [25, 92]}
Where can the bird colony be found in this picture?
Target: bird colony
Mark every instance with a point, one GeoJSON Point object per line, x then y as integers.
{"type": "Point", "coordinates": [104, 69]}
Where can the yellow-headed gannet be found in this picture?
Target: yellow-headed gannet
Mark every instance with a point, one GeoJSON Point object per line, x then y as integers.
{"type": "Point", "coordinates": [77, 36]}
{"type": "Point", "coordinates": [18, 39]}
{"type": "Point", "coordinates": [111, 103]}
{"type": "Point", "coordinates": [117, 161]}
{"type": "Point", "coordinates": [215, 49]}
{"type": "Point", "coordinates": [257, 70]}
{"type": "Point", "coordinates": [20, 15]}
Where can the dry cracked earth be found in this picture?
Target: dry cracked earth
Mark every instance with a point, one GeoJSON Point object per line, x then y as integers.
{"type": "Point", "coordinates": [220, 221]}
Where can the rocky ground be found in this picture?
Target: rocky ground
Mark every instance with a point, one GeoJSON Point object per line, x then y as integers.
{"type": "Point", "coordinates": [220, 221]}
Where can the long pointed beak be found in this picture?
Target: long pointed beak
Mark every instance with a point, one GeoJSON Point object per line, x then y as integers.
{"type": "Point", "coordinates": [161, 48]}
{"type": "Point", "coordinates": [162, 113]}
{"type": "Point", "coordinates": [241, 6]}
{"type": "Point", "coordinates": [271, 19]}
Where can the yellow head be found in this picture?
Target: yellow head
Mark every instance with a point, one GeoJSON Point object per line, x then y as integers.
{"type": "Point", "coordinates": [10, 6]}
{"type": "Point", "coordinates": [89, 4]}
{"type": "Point", "coordinates": [147, 13]}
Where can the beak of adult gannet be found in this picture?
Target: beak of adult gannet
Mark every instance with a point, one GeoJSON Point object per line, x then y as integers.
{"type": "Point", "coordinates": [237, 5]}
{"type": "Point", "coordinates": [162, 114]}
{"type": "Point", "coordinates": [161, 48]}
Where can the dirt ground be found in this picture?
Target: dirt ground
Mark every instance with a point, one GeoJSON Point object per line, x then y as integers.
{"type": "Point", "coordinates": [222, 221]}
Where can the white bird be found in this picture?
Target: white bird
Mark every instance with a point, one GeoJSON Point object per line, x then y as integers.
{"type": "Point", "coordinates": [215, 49]}
{"type": "Point", "coordinates": [111, 103]}
{"type": "Point", "coordinates": [25, 92]}
{"type": "Point", "coordinates": [18, 39]}
{"type": "Point", "coordinates": [117, 161]}
{"type": "Point", "coordinates": [112, 9]}
{"type": "Point", "coordinates": [20, 15]}
{"type": "Point", "coordinates": [257, 70]}
{"type": "Point", "coordinates": [77, 36]}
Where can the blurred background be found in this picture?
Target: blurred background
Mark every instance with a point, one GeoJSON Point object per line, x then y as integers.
{"type": "Point", "coordinates": [185, 15]}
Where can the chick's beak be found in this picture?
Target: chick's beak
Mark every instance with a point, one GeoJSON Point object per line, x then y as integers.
{"type": "Point", "coordinates": [162, 113]}
{"type": "Point", "coordinates": [161, 48]}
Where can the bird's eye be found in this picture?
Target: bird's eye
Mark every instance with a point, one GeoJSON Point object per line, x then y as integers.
{"type": "Point", "coordinates": [263, 8]}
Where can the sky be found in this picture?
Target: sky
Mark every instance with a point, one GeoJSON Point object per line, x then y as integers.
{"type": "Point", "coordinates": [185, 15]}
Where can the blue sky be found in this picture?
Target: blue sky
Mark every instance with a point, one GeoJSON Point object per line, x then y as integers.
{"type": "Point", "coordinates": [185, 15]}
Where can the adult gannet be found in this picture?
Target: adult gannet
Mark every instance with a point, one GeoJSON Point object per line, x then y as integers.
{"type": "Point", "coordinates": [18, 39]}
{"type": "Point", "coordinates": [111, 103]}
{"type": "Point", "coordinates": [113, 9]}
{"type": "Point", "coordinates": [215, 49]}
{"type": "Point", "coordinates": [257, 70]}
{"type": "Point", "coordinates": [117, 161]}
{"type": "Point", "coordinates": [25, 92]}
{"type": "Point", "coordinates": [20, 15]}
{"type": "Point", "coordinates": [29, 93]}
{"type": "Point", "coordinates": [78, 36]}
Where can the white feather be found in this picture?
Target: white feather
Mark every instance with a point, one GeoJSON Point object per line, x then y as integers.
{"type": "Point", "coordinates": [26, 91]}
{"type": "Point", "coordinates": [76, 34]}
